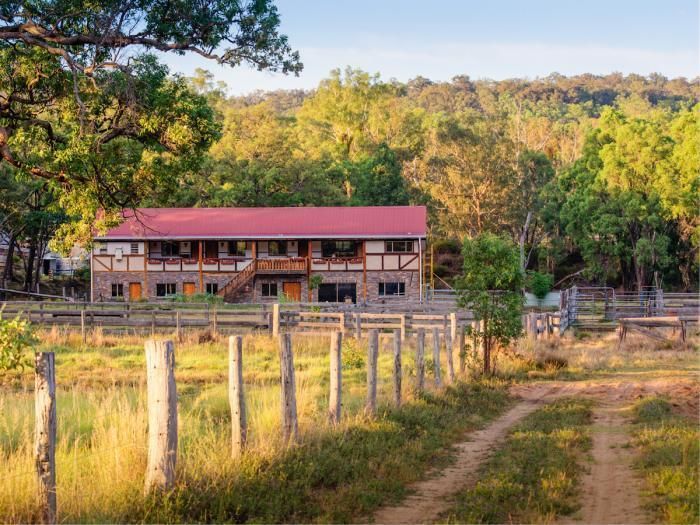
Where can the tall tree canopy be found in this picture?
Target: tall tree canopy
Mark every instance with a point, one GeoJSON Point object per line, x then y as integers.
{"type": "Point", "coordinates": [85, 105]}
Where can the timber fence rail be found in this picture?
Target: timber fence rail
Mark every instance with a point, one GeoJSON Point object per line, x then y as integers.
{"type": "Point", "coordinates": [161, 441]}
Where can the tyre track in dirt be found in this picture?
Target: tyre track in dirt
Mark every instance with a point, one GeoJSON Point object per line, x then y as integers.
{"type": "Point", "coordinates": [610, 490]}
{"type": "Point", "coordinates": [432, 496]}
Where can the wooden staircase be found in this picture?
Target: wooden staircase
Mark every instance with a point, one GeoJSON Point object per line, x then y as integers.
{"type": "Point", "coordinates": [239, 281]}
{"type": "Point", "coordinates": [291, 265]}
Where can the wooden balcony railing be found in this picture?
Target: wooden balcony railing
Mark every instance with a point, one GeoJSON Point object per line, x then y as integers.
{"type": "Point", "coordinates": [228, 264]}
{"type": "Point", "coordinates": [290, 264]}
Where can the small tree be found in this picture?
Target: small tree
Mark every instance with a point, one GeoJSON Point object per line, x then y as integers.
{"type": "Point", "coordinates": [490, 287]}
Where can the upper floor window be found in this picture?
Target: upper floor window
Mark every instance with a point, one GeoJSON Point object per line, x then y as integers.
{"type": "Point", "coordinates": [169, 249]}
{"type": "Point", "coordinates": [134, 248]}
{"type": "Point", "coordinates": [338, 248]}
{"type": "Point", "coordinates": [236, 248]}
{"type": "Point", "coordinates": [277, 248]}
{"type": "Point", "coordinates": [399, 246]}
{"type": "Point", "coordinates": [102, 248]}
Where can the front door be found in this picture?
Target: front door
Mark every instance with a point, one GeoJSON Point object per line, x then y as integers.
{"type": "Point", "coordinates": [292, 291]}
{"type": "Point", "coordinates": [134, 291]}
{"type": "Point", "coordinates": [188, 288]}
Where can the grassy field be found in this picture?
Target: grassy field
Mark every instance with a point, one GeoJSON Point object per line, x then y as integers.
{"type": "Point", "coordinates": [533, 477]}
{"type": "Point", "coordinates": [334, 474]}
{"type": "Point", "coordinates": [669, 447]}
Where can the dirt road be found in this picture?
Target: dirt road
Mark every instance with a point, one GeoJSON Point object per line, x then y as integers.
{"type": "Point", "coordinates": [430, 497]}
{"type": "Point", "coordinates": [610, 490]}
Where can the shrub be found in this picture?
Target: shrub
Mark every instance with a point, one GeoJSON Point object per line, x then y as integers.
{"type": "Point", "coordinates": [16, 336]}
{"type": "Point", "coordinates": [540, 284]}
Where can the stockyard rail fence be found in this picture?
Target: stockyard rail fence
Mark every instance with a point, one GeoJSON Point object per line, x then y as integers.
{"type": "Point", "coordinates": [604, 308]}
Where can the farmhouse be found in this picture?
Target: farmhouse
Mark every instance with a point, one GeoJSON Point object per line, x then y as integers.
{"type": "Point", "coordinates": [325, 254]}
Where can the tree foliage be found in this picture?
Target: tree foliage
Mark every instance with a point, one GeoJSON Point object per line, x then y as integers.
{"type": "Point", "coordinates": [85, 105]}
{"type": "Point", "coordinates": [490, 287]}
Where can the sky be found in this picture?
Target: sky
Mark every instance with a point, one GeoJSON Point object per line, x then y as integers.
{"type": "Point", "coordinates": [496, 39]}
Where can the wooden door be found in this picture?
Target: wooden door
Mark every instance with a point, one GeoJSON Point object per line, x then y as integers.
{"type": "Point", "coordinates": [292, 291]}
{"type": "Point", "coordinates": [188, 288]}
{"type": "Point", "coordinates": [134, 291]}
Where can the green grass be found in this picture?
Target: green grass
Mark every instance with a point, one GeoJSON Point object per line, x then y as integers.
{"type": "Point", "coordinates": [669, 447]}
{"type": "Point", "coordinates": [334, 474]}
{"type": "Point", "coordinates": [533, 477]}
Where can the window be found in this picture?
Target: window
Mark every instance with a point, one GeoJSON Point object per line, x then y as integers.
{"type": "Point", "coordinates": [117, 290]}
{"type": "Point", "coordinates": [102, 248]}
{"type": "Point", "coordinates": [165, 289]}
{"type": "Point", "coordinates": [399, 246]}
{"type": "Point", "coordinates": [212, 288]}
{"type": "Point", "coordinates": [277, 248]}
{"type": "Point", "coordinates": [170, 249]}
{"type": "Point", "coordinates": [134, 248]}
{"type": "Point", "coordinates": [269, 289]}
{"type": "Point", "coordinates": [392, 289]}
{"type": "Point", "coordinates": [236, 248]}
{"type": "Point", "coordinates": [337, 292]}
{"type": "Point", "coordinates": [338, 248]}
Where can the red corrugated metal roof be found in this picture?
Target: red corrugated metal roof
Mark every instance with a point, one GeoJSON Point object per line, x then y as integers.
{"type": "Point", "coordinates": [260, 223]}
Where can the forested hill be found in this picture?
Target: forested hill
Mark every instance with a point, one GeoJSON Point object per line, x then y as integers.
{"type": "Point", "coordinates": [594, 172]}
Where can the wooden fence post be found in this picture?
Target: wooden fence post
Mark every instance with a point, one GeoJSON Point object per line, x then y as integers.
{"type": "Point", "coordinates": [336, 369]}
{"type": "Point", "coordinates": [436, 356]}
{"type": "Point", "coordinates": [162, 415]}
{"type": "Point", "coordinates": [275, 320]}
{"type": "Point", "coordinates": [372, 354]}
{"type": "Point", "coordinates": [236, 395]}
{"type": "Point", "coordinates": [403, 327]}
{"type": "Point", "coordinates": [290, 427]}
{"type": "Point", "coordinates": [214, 322]}
{"type": "Point", "coordinates": [358, 326]}
{"type": "Point", "coordinates": [83, 332]}
{"type": "Point", "coordinates": [453, 326]}
{"type": "Point", "coordinates": [420, 360]}
{"type": "Point", "coordinates": [153, 324]}
{"type": "Point", "coordinates": [178, 326]}
{"type": "Point", "coordinates": [449, 350]}
{"type": "Point", "coordinates": [462, 351]}
{"type": "Point", "coordinates": [45, 434]}
{"type": "Point", "coordinates": [397, 367]}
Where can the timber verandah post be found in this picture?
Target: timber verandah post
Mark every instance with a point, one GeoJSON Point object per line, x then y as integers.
{"type": "Point", "coordinates": [201, 271]}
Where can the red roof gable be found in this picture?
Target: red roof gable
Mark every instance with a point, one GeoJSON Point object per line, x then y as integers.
{"type": "Point", "coordinates": [260, 223]}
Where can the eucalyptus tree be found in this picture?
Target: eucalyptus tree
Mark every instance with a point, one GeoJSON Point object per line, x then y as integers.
{"type": "Point", "coordinates": [86, 105]}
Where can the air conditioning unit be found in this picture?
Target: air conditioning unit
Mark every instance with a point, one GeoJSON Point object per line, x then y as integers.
{"type": "Point", "coordinates": [119, 254]}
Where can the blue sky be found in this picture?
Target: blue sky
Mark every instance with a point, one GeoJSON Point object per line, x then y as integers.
{"type": "Point", "coordinates": [494, 39]}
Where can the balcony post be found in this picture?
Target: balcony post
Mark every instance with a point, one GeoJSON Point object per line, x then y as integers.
{"type": "Point", "coordinates": [201, 274]}
{"type": "Point", "coordinates": [364, 271]}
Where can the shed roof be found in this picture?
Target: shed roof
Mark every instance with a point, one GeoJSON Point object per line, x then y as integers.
{"type": "Point", "coordinates": [270, 223]}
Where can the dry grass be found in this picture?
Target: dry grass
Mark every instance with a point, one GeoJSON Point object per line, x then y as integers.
{"type": "Point", "coordinates": [102, 416]}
